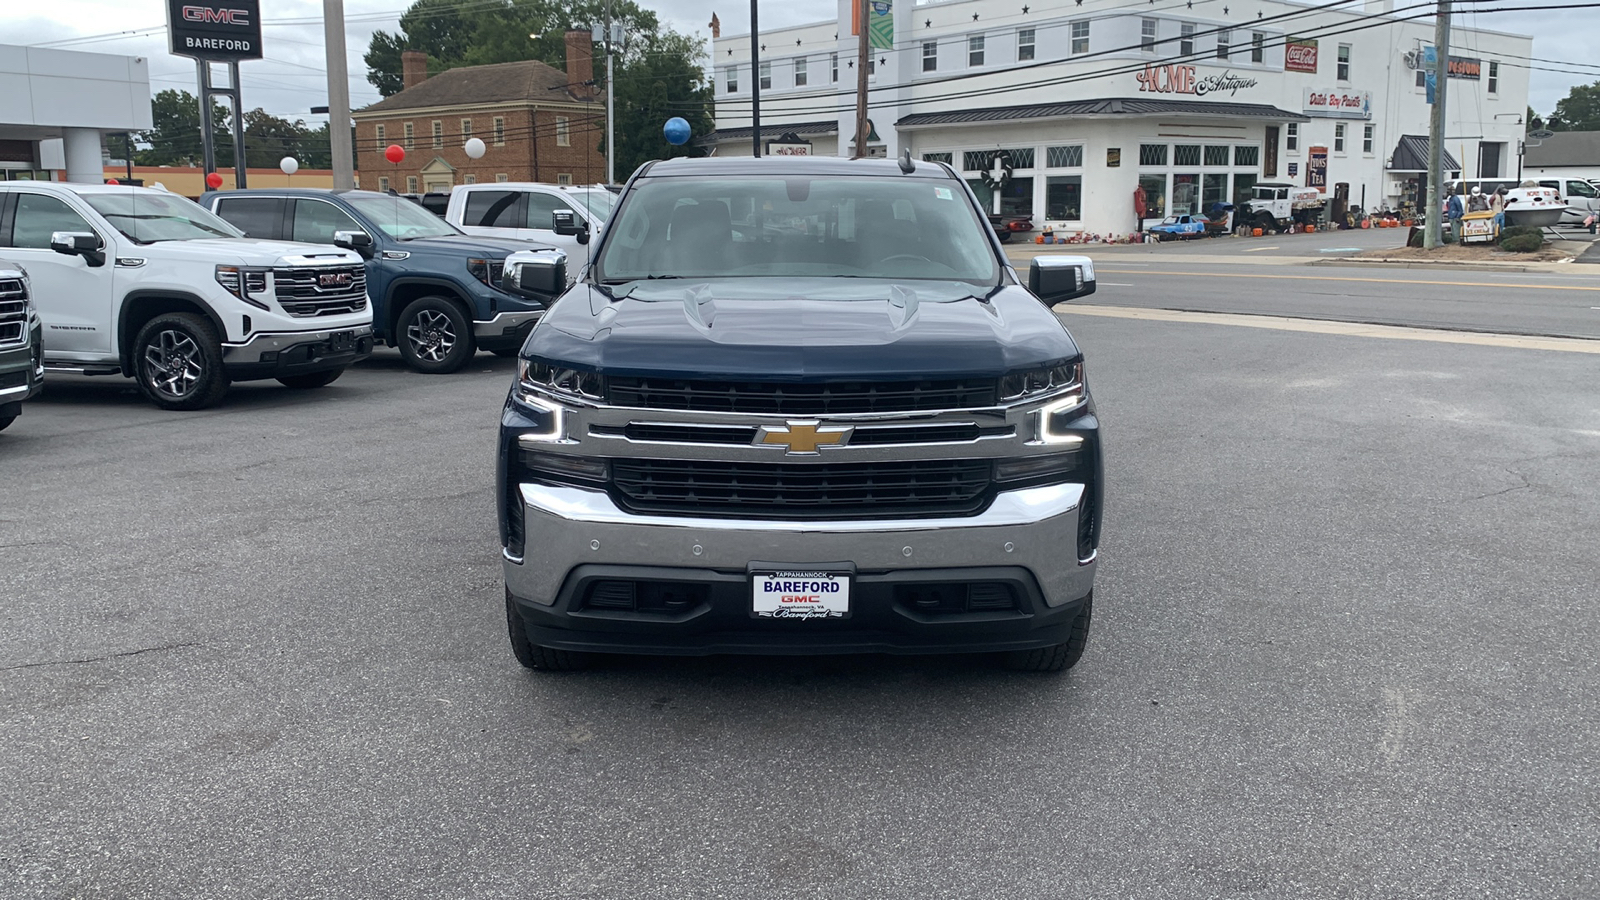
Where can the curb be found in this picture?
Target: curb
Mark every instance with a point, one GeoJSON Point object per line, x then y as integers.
{"type": "Point", "coordinates": [1454, 266]}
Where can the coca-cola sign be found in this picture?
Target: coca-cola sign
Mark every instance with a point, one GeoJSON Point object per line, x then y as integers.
{"type": "Point", "coordinates": [1184, 80]}
{"type": "Point", "coordinates": [1300, 55]}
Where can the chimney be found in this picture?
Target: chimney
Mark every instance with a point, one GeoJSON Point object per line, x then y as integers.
{"type": "Point", "coordinates": [580, 64]}
{"type": "Point", "coordinates": [413, 67]}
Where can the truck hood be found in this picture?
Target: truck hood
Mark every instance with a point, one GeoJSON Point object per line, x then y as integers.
{"type": "Point", "coordinates": [801, 329]}
{"type": "Point", "coordinates": [246, 252]}
{"type": "Point", "coordinates": [468, 246]}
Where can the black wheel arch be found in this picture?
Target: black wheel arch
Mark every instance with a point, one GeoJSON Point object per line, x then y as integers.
{"type": "Point", "coordinates": [139, 307]}
{"type": "Point", "coordinates": [406, 289]}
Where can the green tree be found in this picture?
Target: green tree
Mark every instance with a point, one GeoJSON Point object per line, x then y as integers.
{"type": "Point", "coordinates": [174, 138]}
{"type": "Point", "coordinates": [1579, 111]}
{"type": "Point", "coordinates": [658, 70]}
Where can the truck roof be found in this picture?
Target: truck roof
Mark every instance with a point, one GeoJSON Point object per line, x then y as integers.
{"type": "Point", "coordinates": [793, 165]}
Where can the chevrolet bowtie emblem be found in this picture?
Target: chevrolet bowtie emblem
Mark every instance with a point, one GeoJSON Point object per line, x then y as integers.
{"type": "Point", "coordinates": [803, 438]}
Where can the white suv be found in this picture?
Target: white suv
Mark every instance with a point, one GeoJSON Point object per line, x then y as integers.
{"type": "Point", "coordinates": [146, 284]}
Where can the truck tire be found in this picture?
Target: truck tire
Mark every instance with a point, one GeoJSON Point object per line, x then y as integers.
{"type": "Point", "coordinates": [1004, 234]}
{"type": "Point", "coordinates": [177, 361]}
{"type": "Point", "coordinates": [434, 336]}
{"type": "Point", "coordinates": [1061, 657]}
{"type": "Point", "coordinates": [313, 380]}
{"type": "Point", "coordinates": [532, 656]}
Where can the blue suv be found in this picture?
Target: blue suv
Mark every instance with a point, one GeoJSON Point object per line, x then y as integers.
{"type": "Point", "coordinates": [435, 290]}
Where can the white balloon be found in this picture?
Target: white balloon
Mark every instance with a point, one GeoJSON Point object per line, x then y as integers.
{"type": "Point", "coordinates": [289, 165]}
{"type": "Point", "coordinates": [159, 186]}
{"type": "Point", "coordinates": [475, 148]}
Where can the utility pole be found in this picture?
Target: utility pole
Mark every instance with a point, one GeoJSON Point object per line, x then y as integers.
{"type": "Point", "coordinates": [862, 54]}
{"type": "Point", "coordinates": [344, 174]}
{"type": "Point", "coordinates": [755, 83]}
{"type": "Point", "coordinates": [611, 104]}
{"type": "Point", "coordinates": [1432, 236]}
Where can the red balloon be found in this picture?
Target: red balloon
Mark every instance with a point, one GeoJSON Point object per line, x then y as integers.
{"type": "Point", "coordinates": [112, 181]}
{"type": "Point", "coordinates": [213, 180]}
{"type": "Point", "coordinates": [394, 153]}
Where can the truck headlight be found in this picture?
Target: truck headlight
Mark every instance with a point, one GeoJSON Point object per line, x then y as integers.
{"type": "Point", "coordinates": [243, 282]}
{"type": "Point", "coordinates": [560, 382]}
{"type": "Point", "coordinates": [487, 271]}
{"type": "Point", "coordinates": [1037, 384]}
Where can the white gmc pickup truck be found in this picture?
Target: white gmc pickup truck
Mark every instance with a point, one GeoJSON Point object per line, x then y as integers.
{"type": "Point", "coordinates": [146, 284]}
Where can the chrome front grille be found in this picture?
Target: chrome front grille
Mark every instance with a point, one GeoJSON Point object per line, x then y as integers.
{"type": "Point", "coordinates": [310, 291]}
{"type": "Point", "coordinates": [13, 312]}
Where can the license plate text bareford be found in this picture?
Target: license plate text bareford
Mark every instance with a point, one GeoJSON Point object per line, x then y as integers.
{"type": "Point", "coordinates": [801, 594]}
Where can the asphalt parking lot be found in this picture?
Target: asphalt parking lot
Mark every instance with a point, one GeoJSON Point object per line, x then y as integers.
{"type": "Point", "coordinates": [1343, 648]}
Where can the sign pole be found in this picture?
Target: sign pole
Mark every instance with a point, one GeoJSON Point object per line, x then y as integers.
{"type": "Point", "coordinates": [755, 84]}
{"type": "Point", "coordinates": [240, 170]}
{"type": "Point", "coordinates": [344, 175]}
{"type": "Point", "coordinates": [208, 140]}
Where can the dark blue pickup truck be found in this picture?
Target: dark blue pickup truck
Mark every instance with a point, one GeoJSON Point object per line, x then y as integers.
{"type": "Point", "coordinates": [799, 405]}
{"type": "Point", "coordinates": [435, 291]}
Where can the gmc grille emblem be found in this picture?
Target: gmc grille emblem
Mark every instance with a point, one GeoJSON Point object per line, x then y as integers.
{"type": "Point", "coordinates": [327, 280]}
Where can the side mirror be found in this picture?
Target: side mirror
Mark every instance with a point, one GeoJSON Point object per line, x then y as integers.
{"type": "Point", "coordinates": [1057, 278]}
{"type": "Point", "coordinates": [359, 241]}
{"type": "Point", "coordinates": [536, 274]}
{"type": "Point", "coordinates": [79, 243]}
{"type": "Point", "coordinates": [565, 223]}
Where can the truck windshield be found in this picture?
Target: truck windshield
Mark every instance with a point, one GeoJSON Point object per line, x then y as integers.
{"type": "Point", "coordinates": [398, 217]}
{"type": "Point", "coordinates": [147, 216]}
{"type": "Point", "coordinates": [598, 203]}
{"type": "Point", "coordinates": [785, 226]}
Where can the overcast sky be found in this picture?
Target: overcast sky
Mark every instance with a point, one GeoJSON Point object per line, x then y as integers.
{"type": "Point", "coordinates": [291, 79]}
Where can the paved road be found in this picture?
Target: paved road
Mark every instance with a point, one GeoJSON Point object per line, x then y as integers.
{"type": "Point", "coordinates": [1343, 648]}
{"type": "Point", "coordinates": [1475, 300]}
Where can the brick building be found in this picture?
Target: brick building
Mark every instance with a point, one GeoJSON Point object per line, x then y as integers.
{"type": "Point", "coordinates": [537, 123]}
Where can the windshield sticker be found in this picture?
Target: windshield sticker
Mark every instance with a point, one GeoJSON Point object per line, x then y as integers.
{"type": "Point", "coordinates": [943, 193]}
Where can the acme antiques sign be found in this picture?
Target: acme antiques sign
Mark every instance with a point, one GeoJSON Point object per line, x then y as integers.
{"type": "Point", "coordinates": [1183, 80]}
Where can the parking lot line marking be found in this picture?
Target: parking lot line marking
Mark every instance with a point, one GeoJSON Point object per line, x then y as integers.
{"type": "Point", "coordinates": [1346, 329]}
{"type": "Point", "coordinates": [1113, 284]}
{"type": "Point", "coordinates": [1494, 284]}
{"type": "Point", "coordinates": [1259, 249]}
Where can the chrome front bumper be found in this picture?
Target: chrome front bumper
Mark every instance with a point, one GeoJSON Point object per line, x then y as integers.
{"type": "Point", "coordinates": [505, 324]}
{"type": "Point", "coordinates": [1033, 528]}
{"type": "Point", "coordinates": [257, 348]}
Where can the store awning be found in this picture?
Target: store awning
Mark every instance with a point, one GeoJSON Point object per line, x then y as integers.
{"type": "Point", "coordinates": [1117, 107]}
{"type": "Point", "coordinates": [771, 132]}
{"type": "Point", "coordinates": [1411, 155]}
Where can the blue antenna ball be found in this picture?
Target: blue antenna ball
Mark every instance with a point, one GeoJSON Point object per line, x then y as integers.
{"type": "Point", "coordinates": [676, 131]}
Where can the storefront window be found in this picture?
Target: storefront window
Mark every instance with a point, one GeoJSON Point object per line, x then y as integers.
{"type": "Point", "coordinates": [1247, 157]}
{"type": "Point", "coordinates": [974, 160]}
{"type": "Point", "coordinates": [1064, 157]}
{"type": "Point", "coordinates": [1152, 154]}
{"type": "Point", "coordinates": [1214, 190]}
{"type": "Point", "coordinates": [936, 157]}
{"type": "Point", "coordinates": [1016, 198]}
{"type": "Point", "coordinates": [1186, 155]}
{"type": "Point", "coordinates": [1242, 185]}
{"type": "Point", "coordinates": [1155, 195]}
{"type": "Point", "coordinates": [1185, 194]}
{"type": "Point", "coordinates": [1063, 197]}
{"type": "Point", "coordinates": [983, 192]}
{"type": "Point", "coordinates": [1217, 154]}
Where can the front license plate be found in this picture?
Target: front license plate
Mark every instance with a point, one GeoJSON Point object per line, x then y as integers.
{"type": "Point", "coordinates": [340, 341]}
{"type": "Point", "coordinates": [801, 594]}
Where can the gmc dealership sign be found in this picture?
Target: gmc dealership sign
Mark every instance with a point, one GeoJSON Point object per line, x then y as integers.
{"type": "Point", "coordinates": [214, 29]}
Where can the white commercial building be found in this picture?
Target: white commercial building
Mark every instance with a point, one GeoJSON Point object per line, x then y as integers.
{"type": "Point", "coordinates": [56, 106]}
{"type": "Point", "coordinates": [1085, 101]}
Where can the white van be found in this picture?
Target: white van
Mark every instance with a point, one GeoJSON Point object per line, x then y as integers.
{"type": "Point", "coordinates": [1581, 197]}
{"type": "Point", "coordinates": [526, 210]}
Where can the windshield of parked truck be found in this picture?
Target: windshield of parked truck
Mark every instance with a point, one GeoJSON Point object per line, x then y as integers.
{"type": "Point", "coordinates": [399, 218]}
{"type": "Point", "coordinates": [148, 216]}
{"type": "Point", "coordinates": [785, 226]}
{"type": "Point", "coordinates": [599, 203]}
